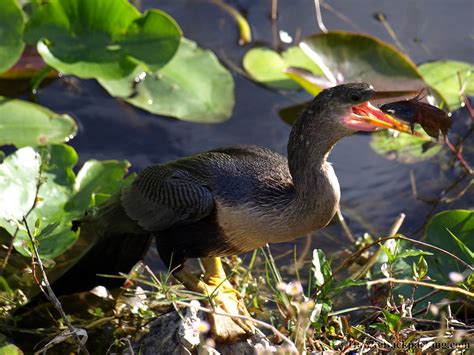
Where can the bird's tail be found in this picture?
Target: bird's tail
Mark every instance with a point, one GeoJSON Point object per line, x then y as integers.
{"type": "Point", "coordinates": [109, 243]}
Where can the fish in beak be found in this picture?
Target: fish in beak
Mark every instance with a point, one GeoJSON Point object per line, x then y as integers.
{"type": "Point", "coordinates": [367, 117]}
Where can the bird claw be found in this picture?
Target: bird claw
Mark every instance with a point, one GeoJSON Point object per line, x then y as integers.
{"type": "Point", "coordinates": [226, 299]}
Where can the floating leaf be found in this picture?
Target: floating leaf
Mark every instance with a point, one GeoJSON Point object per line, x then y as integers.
{"type": "Point", "coordinates": [268, 67]}
{"type": "Point", "coordinates": [12, 23]}
{"type": "Point", "coordinates": [405, 148]}
{"type": "Point", "coordinates": [61, 197]}
{"type": "Point", "coordinates": [354, 57]}
{"type": "Point", "coordinates": [97, 177]}
{"type": "Point", "coordinates": [18, 183]}
{"type": "Point", "coordinates": [444, 76]}
{"type": "Point", "coordinates": [291, 113]}
{"type": "Point", "coordinates": [24, 123]}
{"type": "Point", "coordinates": [311, 83]}
{"type": "Point", "coordinates": [101, 39]}
{"type": "Point", "coordinates": [193, 86]}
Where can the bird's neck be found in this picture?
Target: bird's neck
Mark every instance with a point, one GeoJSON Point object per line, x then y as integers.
{"type": "Point", "coordinates": [316, 189]}
{"type": "Point", "coordinates": [309, 146]}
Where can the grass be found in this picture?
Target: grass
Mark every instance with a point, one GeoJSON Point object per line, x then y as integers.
{"type": "Point", "coordinates": [380, 297]}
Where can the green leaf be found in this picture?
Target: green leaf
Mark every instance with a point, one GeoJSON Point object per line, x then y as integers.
{"type": "Point", "coordinates": [391, 257]}
{"type": "Point", "coordinates": [342, 285]}
{"type": "Point", "coordinates": [458, 222]}
{"type": "Point", "coordinates": [24, 123]}
{"type": "Point", "coordinates": [18, 174]}
{"type": "Point", "coordinates": [412, 252]}
{"type": "Point", "coordinates": [291, 113]}
{"type": "Point", "coordinates": [393, 321]}
{"type": "Point", "coordinates": [268, 67]}
{"type": "Point", "coordinates": [21, 172]}
{"type": "Point", "coordinates": [404, 148]}
{"type": "Point", "coordinates": [464, 248]}
{"type": "Point", "coordinates": [420, 269]}
{"type": "Point", "coordinates": [62, 197]}
{"type": "Point", "coordinates": [96, 177]}
{"type": "Point", "coordinates": [9, 349]}
{"type": "Point", "coordinates": [321, 267]}
{"type": "Point", "coordinates": [193, 86]}
{"type": "Point", "coordinates": [101, 39]}
{"type": "Point", "coordinates": [12, 23]}
{"type": "Point", "coordinates": [444, 76]}
{"type": "Point", "coordinates": [358, 57]}
{"type": "Point", "coordinates": [461, 224]}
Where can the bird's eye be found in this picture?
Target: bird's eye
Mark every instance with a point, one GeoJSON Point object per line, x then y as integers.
{"type": "Point", "coordinates": [355, 97]}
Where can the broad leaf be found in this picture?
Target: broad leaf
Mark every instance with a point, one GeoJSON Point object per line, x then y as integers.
{"type": "Point", "coordinates": [193, 86]}
{"type": "Point", "coordinates": [12, 23]}
{"type": "Point", "coordinates": [97, 177]}
{"type": "Point", "coordinates": [61, 198]}
{"type": "Point", "coordinates": [24, 123]}
{"type": "Point", "coordinates": [268, 67]}
{"type": "Point", "coordinates": [353, 57]}
{"type": "Point", "coordinates": [404, 147]}
{"type": "Point", "coordinates": [101, 39]}
{"type": "Point", "coordinates": [446, 77]}
{"type": "Point", "coordinates": [439, 232]}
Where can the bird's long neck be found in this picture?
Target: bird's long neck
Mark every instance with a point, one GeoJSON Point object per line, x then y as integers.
{"type": "Point", "coordinates": [316, 195]}
{"type": "Point", "coordinates": [311, 140]}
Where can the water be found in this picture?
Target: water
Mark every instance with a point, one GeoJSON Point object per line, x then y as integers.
{"type": "Point", "coordinates": [374, 190]}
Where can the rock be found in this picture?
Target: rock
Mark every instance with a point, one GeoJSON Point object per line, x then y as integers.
{"type": "Point", "coordinates": [171, 333]}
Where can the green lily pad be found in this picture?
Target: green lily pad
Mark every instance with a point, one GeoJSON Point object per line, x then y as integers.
{"type": "Point", "coordinates": [311, 83]}
{"type": "Point", "coordinates": [404, 147]}
{"type": "Point", "coordinates": [62, 197]}
{"type": "Point", "coordinates": [24, 123]}
{"type": "Point", "coordinates": [12, 23]}
{"type": "Point", "coordinates": [268, 67]}
{"type": "Point", "coordinates": [444, 76]}
{"type": "Point", "coordinates": [290, 114]}
{"type": "Point", "coordinates": [97, 177]}
{"type": "Point", "coordinates": [101, 39]}
{"type": "Point", "coordinates": [354, 57]}
{"type": "Point", "coordinates": [193, 86]}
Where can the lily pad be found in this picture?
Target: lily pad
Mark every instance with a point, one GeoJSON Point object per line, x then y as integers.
{"type": "Point", "coordinates": [290, 114]}
{"type": "Point", "coordinates": [444, 76]}
{"type": "Point", "coordinates": [12, 23]}
{"type": "Point", "coordinates": [24, 123]}
{"type": "Point", "coordinates": [193, 86]}
{"type": "Point", "coordinates": [354, 57]}
{"type": "Point", "coordinates": [97, 177]}
{"type": "Point", "coordinates": [268, 67]}
{"type": "Point", "coordinates": [404, 147]}
{"type": "Point", "coordinates": [101, 39]}
{"type": "Point", "coordinates": [61, 197]}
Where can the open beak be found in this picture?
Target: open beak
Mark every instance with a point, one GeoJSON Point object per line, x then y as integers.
{"type": "Point", "coordinates": [367, 117]}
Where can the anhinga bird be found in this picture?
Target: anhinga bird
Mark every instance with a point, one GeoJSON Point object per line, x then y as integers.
{"type": "Point", "coordinates": [233, 200]}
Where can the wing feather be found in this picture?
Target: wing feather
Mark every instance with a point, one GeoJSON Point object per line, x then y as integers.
{"type": "Point", "coordinates": [162, 197]}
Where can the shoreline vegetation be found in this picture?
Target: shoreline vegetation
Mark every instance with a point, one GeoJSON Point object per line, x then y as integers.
{"type": "Point", "coordinates": [380, 293]}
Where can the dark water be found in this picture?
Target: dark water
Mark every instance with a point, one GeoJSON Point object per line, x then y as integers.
{"type": "Point", "coordinates": [374, 189]}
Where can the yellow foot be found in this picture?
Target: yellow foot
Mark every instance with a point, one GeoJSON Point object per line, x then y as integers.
{"type": "Point", "coordinates": [225, 299]}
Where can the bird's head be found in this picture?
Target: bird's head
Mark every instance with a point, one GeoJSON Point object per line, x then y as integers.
{"type": "Point", "coordinates": [348, 109]}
